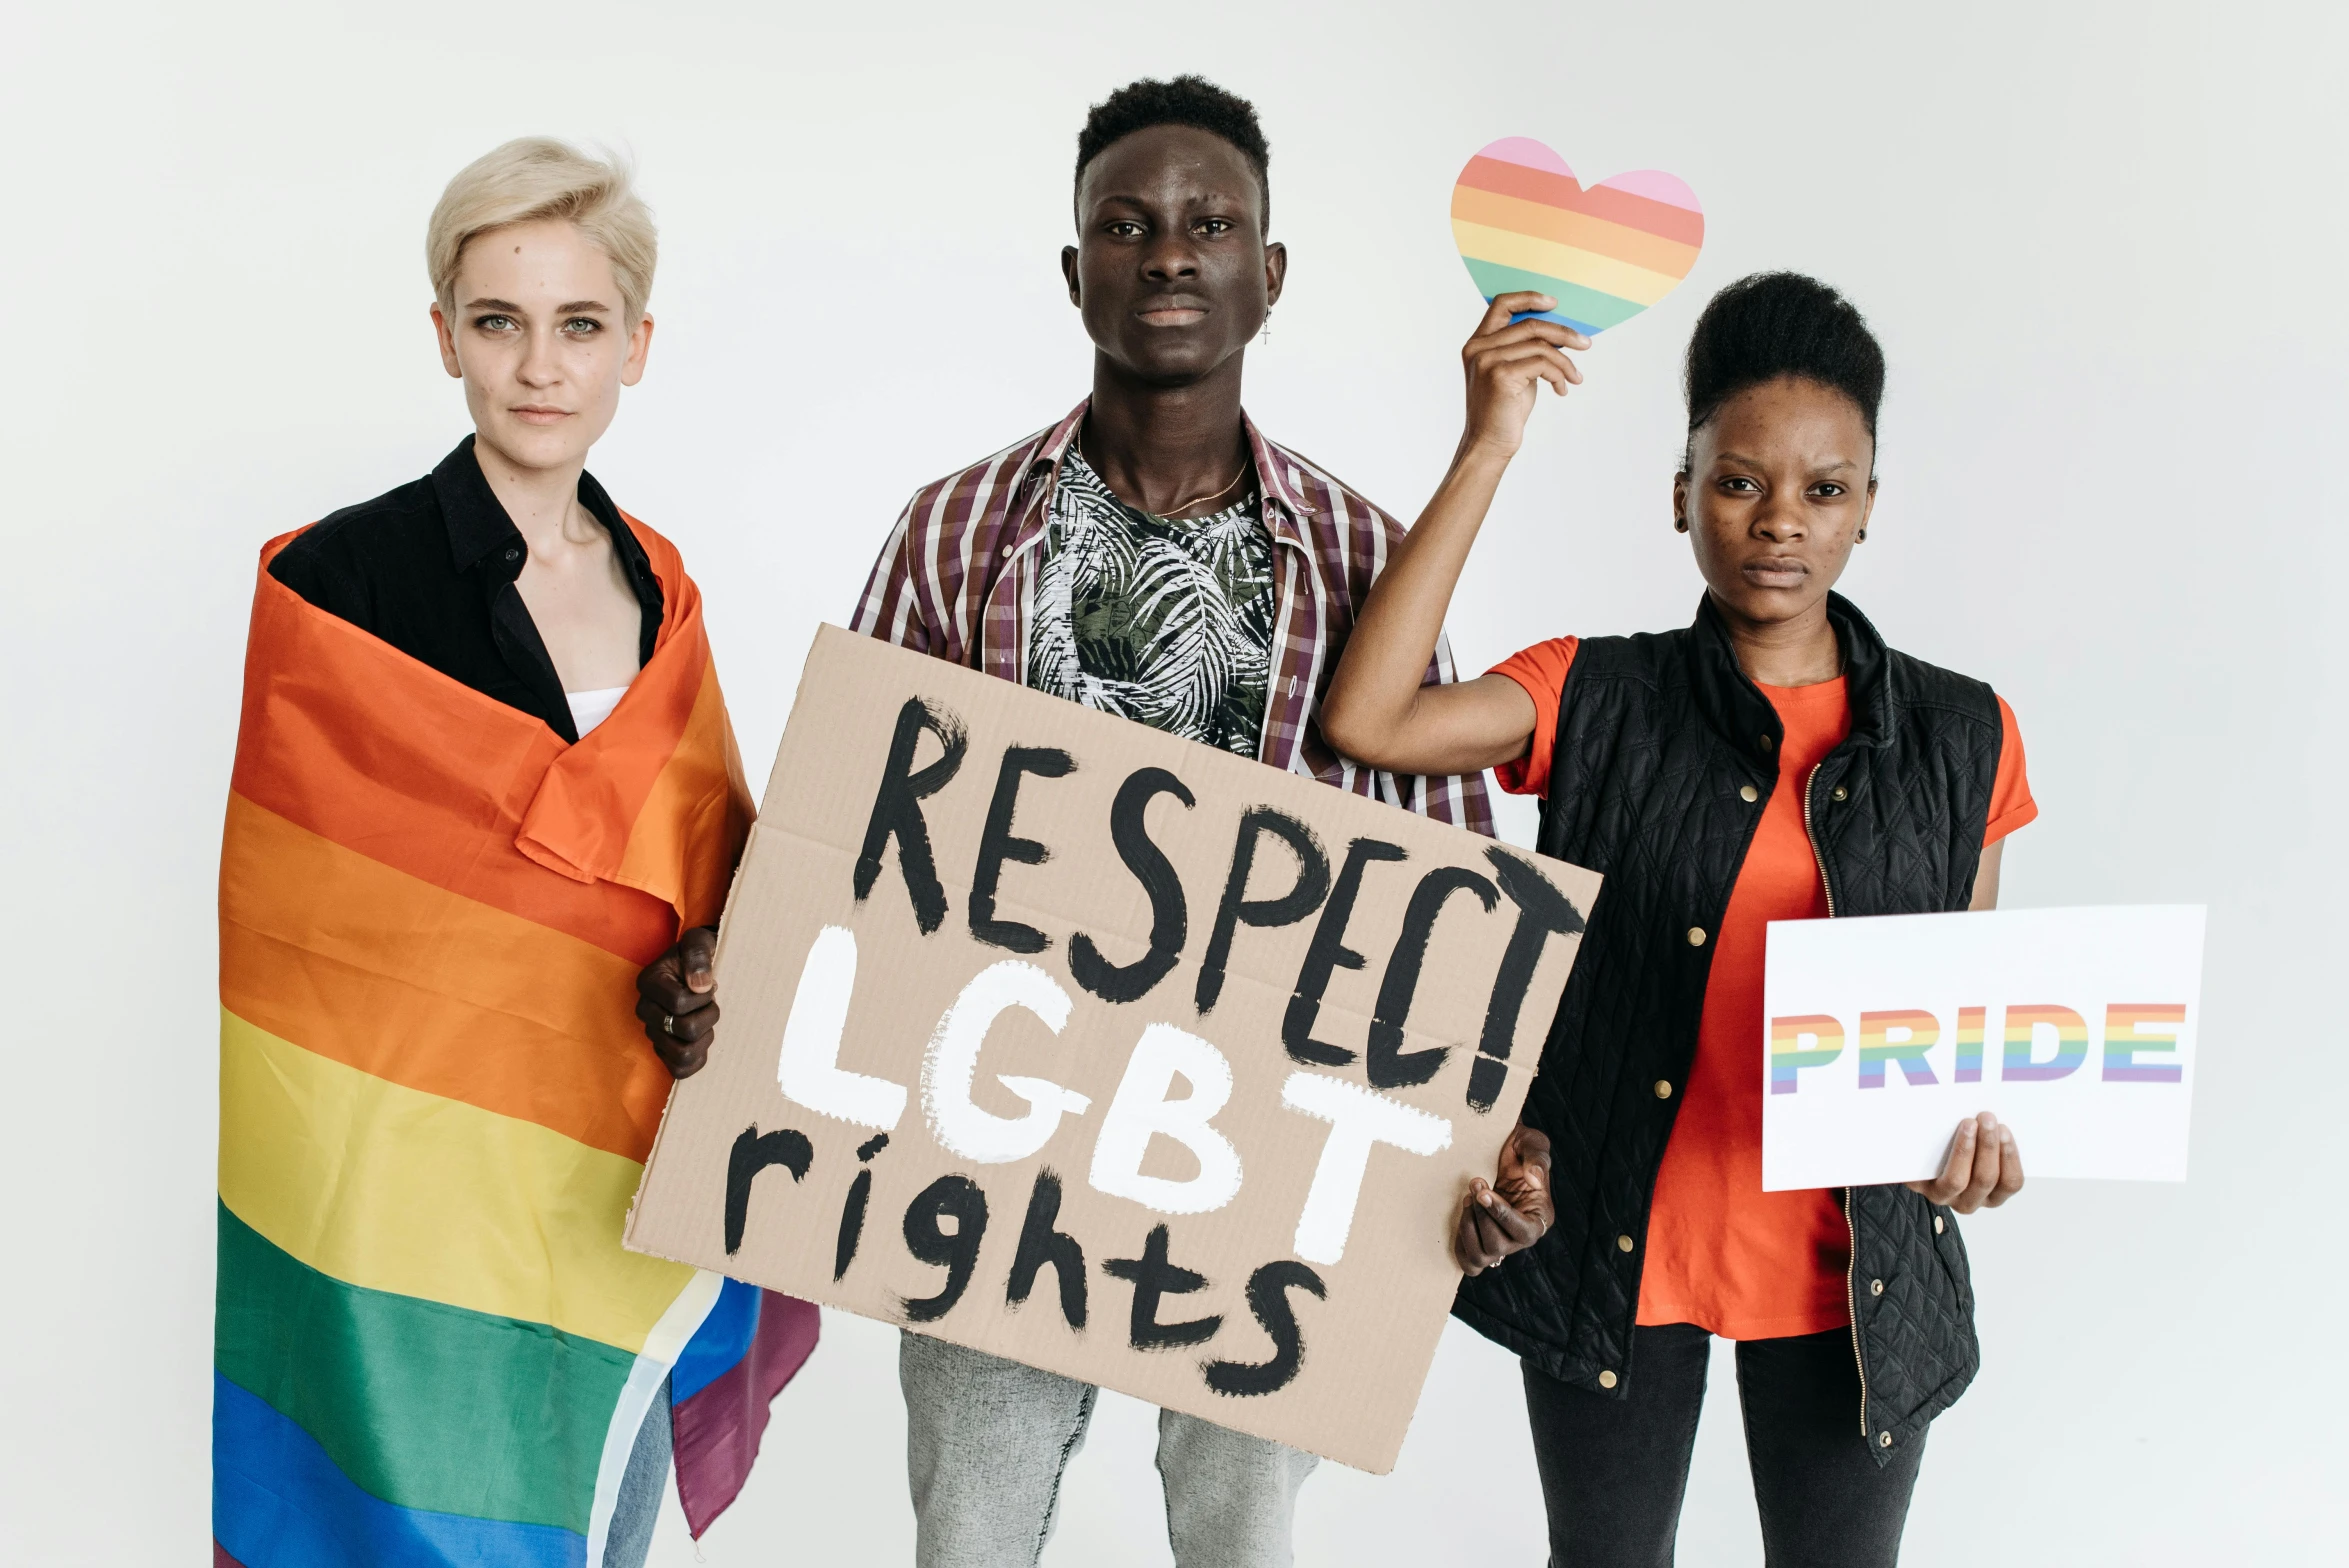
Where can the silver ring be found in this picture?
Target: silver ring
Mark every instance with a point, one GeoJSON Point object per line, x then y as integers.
{"type": "Point", "coordinates": [669, 1025]}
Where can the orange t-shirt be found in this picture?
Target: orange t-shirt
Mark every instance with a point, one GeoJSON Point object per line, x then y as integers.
{"type": "Point", "coordinates": [1721, 1252]}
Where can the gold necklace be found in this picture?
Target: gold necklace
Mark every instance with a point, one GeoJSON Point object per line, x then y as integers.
{"type": "Point", "coordinates": [1179, 506]}
{"type": "Point", "coordinates": [1184, 506]}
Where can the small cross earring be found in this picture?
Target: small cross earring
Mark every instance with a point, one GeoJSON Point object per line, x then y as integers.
{"type": "Point", "coordinates": [1264, 333]}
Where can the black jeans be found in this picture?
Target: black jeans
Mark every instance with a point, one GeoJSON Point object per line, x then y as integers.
{"type": "Point", "coordinates": [1614, 1470]}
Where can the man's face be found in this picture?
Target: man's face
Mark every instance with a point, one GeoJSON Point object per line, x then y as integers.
{"type": "Point", "coordinates": [1170, 266]}
{"type": "Point", "coordinates": [539, 338]}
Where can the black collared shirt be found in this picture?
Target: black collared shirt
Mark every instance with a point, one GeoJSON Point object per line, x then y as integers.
{"type": "Point", "coordinates": [430, 569]}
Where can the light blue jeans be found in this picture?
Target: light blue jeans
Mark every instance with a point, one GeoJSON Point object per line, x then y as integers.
{"type": "Point", "coordinates": [987, 1440]}
{"type": "Point", "coordinates": [642, 1486]}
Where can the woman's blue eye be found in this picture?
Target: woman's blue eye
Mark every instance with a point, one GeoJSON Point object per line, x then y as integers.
{"type": "Point", "coordinates": [494, 323]}
{"type": "Point", "coordinates": [583, 325]}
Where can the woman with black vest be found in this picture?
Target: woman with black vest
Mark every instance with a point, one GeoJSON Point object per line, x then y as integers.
{"type": "Point", "coordinates": [1774, 760]}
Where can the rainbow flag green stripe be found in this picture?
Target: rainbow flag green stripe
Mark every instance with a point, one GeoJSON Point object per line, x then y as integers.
{"type": "Point", "coordinates": [368, 1374]}
{"type": "Point", "coordinates": [1587, 309]}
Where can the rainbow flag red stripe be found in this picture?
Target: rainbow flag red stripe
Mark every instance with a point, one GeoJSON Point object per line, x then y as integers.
{"type": "Point", "coordinates": [429, 1346]}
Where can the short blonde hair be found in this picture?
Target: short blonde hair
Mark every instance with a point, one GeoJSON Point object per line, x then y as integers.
{"type": "Point", "coordinates": [533, 178]}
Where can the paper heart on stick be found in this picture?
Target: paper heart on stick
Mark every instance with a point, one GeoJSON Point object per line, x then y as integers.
{"type": "Point", "coordinates": [1606, 253]}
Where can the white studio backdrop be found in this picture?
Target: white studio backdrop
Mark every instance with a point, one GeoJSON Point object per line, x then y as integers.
{"type": "Point", "coordinates": [2102, 245]}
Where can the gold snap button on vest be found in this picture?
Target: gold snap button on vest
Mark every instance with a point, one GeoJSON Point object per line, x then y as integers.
{"type": "Point", "coordinates": [1840, 793]}
{"type": "Point", "coordinates": [1696, 936]}
{"type": "Point", "coordinates": [1884, 1440]}
{"type": "Point", "coordinates": [1748, 794]}
{"type": "Point", "coordinates": [1607, 1380]}
{"type": "Point", "coordinates": [1663, 1088]}
{"type": "Point", "coordinates": [1623, 1244]}
{"type": "Point", "coordinates": [1936, 1224]}
{"type": "Point", "coordinates": [1875, 1287]}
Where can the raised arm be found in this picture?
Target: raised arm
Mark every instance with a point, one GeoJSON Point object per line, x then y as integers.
{"type": "Point", "coordinates": [1376, 711]}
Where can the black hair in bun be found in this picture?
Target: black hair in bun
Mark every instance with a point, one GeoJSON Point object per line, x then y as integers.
{"type": "Point", "coordinates": [1776, 324]}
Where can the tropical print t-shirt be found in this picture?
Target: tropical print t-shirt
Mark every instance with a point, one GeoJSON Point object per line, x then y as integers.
{"type": "Point", "coordinates": [1164, 620]}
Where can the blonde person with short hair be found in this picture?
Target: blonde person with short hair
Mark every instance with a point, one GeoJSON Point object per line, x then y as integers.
{"type": "Point", "coordinates": [541, 261]}
{"type": "Point", "coordinates": [484, 775]}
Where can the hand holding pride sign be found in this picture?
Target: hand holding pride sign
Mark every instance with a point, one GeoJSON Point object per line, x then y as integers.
{"type": "Point", "coordinates": [2076, 1027]}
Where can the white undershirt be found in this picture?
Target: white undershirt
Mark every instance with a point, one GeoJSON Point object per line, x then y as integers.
{"type": "Point", "coordinates": [590, 708]}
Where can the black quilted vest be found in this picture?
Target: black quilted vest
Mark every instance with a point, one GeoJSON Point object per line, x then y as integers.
{"type": "Point", "coordinates": [1657, 734]}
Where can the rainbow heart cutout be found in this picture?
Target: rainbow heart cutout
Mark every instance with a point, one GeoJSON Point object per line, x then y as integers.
{"type": "Point", "coordinates": [1605, 253]}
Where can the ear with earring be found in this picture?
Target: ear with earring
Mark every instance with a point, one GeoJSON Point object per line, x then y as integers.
{"type": "Point", "coordinates": [1680, 525]}
{"type": "Point", "coordinates": [1861, 536]}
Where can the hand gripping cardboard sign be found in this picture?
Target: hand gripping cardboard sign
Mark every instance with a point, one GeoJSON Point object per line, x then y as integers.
{"type": "Point", "coordinates": [1056, 1036]}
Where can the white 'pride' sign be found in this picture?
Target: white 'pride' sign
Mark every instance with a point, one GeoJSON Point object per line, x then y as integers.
{"type": "Point", "coordinates": [2076, 1027]}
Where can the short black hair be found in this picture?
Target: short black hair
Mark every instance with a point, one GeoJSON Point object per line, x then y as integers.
{"type": "Point", "coordinates": [1187, 100]}
{"type": "Point", "coordinates": [1776, 324]}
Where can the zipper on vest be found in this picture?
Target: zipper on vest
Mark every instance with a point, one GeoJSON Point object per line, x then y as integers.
{"type": "Point", "coordinates": [1851, 1301]}
{"type": "Point", "coordinates": [1811, 833]}
{"type": "Point", "coordinates": [1851, 1293]}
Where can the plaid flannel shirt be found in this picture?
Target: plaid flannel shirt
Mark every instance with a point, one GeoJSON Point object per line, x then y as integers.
{"type": "Point", "coordinates": [957, 580]}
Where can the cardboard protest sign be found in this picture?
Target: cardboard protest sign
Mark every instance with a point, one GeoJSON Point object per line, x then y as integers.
{"type": "Point", "coordinates": [2074, 1026]}
{"type": "Point", "coordinates": [1053, 1035]}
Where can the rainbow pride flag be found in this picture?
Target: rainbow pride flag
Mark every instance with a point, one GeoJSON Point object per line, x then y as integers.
{"type": "Point", "coordinates": [1606, 253]}
{"type": "Point", "coordinates": [435, 1105]}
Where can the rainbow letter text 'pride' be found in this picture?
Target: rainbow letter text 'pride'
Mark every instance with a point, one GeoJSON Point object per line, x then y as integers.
{"type": "Point", "coordinates": [1908, 1036]}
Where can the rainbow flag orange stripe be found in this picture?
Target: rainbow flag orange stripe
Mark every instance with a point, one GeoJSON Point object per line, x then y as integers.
{"type": "Point", "coordinates": [430, 1347]}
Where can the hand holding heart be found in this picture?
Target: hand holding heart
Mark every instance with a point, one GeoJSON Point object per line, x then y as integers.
{"type": "Point", "coordinates": [1560, 263]}
{"type": "Point", "coordinates": [1506, 363]}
